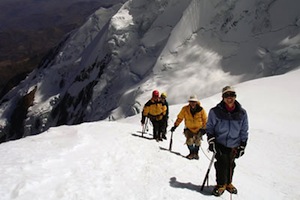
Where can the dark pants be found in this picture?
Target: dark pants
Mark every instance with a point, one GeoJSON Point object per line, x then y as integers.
{"type": "Point", "coordinates": [225, 164]}
{"type": "Point", "coordinates": [157, 128]}
{"type": "Point", "coordinates": [164, 125]}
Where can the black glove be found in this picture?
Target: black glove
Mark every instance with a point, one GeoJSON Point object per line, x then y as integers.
{"type": "Point", "coordinates": [143, 120]}
{"type": "Point", "coordinates": [173, 128]}
{"type": "Point", "coordinates": [212, 144]}
{"type": "Point", "coordinates": [240, 151]}
{"type": "Point", "coordinates": [202, 131]}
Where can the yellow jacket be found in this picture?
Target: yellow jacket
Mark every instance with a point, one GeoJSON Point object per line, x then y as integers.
{"type": "Point", "coordinates": [155, 110]}
{"type": "Point", "coordinates": [193, 122]}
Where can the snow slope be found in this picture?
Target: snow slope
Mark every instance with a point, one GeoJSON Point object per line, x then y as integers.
{"type": "Point", "coordinates": [110, 160]}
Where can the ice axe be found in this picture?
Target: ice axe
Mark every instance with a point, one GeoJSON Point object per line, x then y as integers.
{"type": "Point", "coordinates": [206, 176]}
{"type": "Point", "coordinates": [171, 141]}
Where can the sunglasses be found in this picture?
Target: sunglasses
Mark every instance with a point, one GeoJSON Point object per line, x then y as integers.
{"type": "Point", "coordinates": [229, 94]}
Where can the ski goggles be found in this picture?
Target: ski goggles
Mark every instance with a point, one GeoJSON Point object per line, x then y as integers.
{"type": "Point", "coordinates": [229, 94]}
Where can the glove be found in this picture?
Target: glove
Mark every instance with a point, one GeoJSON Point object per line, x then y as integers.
{"type": "Point", "coordinates": [143, 120]}
{"type": "Point", "coordinates": [212, 144]}
{"type": "Point", "coordinates": [173, 128]}
{"type": "Point", "coordinates": [202, 131]}
{"type": "Point", "coordinates": [240, 151]}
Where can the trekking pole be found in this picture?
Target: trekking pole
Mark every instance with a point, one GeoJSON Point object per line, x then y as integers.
{"type": "Point", "coordinates": [233, 154]}
{"type": "Point", "coordinates": [171, 141]}
{"type": "Point", "coordinates": [145, 127]}
{"type": "Point", "coordinates": [207, 173]}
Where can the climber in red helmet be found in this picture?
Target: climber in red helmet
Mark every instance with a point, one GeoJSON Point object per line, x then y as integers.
{"type": "Point", "coordinates": [155, 110]}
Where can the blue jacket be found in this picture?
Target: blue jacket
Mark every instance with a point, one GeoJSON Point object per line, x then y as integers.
{"type": "Point", "coordinates": [230, 129]}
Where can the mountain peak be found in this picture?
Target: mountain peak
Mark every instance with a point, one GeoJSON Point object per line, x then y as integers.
{"type": "Point", "coordinates": [107, 68]}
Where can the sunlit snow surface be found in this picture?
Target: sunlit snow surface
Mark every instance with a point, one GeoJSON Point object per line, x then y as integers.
{"type": "Point", "coordinates": [110, 160]}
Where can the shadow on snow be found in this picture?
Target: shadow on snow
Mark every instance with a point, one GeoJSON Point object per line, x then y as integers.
{"type": "Point", "coordinates": [190, 186]}
{"type": "Point", "coordinates": [140, 136]}
{"type": "Point", "coordinates": [173, 152]}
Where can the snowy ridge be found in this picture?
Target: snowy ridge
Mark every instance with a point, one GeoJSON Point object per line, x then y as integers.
{"type": "Point", "coordinates": [108, 67]}
{"type": "Point", "coordinates": [110, 160]}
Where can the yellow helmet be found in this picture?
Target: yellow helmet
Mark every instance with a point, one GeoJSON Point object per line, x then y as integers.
{"type": "Point", "coordinates": [163, 95]}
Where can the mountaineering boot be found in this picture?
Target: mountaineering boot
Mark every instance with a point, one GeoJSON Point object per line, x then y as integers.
{"type": "Point", "coordinates": [196, 156]}
{"type": "Point", "coordinates": [231, 189]}
{"type": "Point", "coordinates": [219, 190]}
{"type": "Point", "coordinates": [155, 137]}
{"type": "Point", "coordinates": [191, 155]}
{"type": "Point", "coordinates": [160, 137]}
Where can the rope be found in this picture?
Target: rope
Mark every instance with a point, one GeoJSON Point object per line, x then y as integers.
{"type": "Point", "coordinates": [204, 153]}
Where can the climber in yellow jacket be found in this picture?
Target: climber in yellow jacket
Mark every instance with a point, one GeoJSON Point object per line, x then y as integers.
{"type": "Point", "coordinates": [195, 119]}
{"type": "Point", "coordinates": [155, 110]}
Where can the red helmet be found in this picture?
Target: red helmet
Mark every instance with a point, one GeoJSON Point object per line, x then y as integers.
{"type": "Point", "coordinates": [155, 93]}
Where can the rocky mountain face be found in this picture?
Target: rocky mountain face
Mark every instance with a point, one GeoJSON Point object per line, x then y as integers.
{"type": "Point", "coordinates": [107, 68]}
